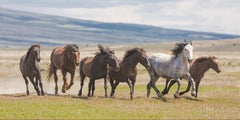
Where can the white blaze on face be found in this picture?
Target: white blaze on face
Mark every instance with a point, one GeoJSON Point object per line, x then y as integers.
{"type": "Point", "coordinates": [188, 51]}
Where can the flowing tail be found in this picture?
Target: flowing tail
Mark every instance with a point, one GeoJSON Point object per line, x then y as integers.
{"type": "Point", "coordinates": [50, 72]}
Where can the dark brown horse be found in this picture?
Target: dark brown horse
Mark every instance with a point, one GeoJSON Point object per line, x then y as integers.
{"type": "Point", "coordinates": [96, 68]}
{"type": "Point", "coordinates": [197, 70]}
{"type": "Point", "coordinates": [128, 69]}
{"type": "Point", "coordinates": [66, 59]}
{"type": "Point", "coordinates": [29, 66]}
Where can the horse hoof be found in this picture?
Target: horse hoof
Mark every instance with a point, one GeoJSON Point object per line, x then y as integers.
{"type": "Point", "coordinates": [63, 91]}
{"type": "Point", "coordinates": [176, 95]}
{"type": "Point", "coordinates": [160, 95]}
{"type": "Point", "coordinates": [194, 95]}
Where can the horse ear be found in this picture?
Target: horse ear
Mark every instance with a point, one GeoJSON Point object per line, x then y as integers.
{"type": "Point", "coordinates": [101, 48]}
{"type": "Point", "coordinates": [190, 42]}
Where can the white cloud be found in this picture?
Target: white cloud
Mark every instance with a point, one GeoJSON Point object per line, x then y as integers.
{"type": "Point", "coordinates": [212, 15]}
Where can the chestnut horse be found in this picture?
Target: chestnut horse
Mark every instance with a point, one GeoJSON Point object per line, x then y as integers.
{"type": "Point", "coordinates": [96, 68]}
{"type": "Point", "coordinates": [128, 69]}
{"type": "Point", "coordinates": [66, 59]}
{"type": "Point", "coordinates": [197, 70]}
{"type": "Point", "coordinates": [29, 67]}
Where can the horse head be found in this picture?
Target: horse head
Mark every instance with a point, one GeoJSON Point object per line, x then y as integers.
{"type": "Point", "coordinates": [110, 57]}
{"type": "Point", "coordinates": [34, 51]}
{"type": "Point", "coordinates": [188, 51]}
{"type": "Point", "coordinates": [143, 58]}
{"type": "Point", "coordinates": [73, 53]}
{"type": "Point", "coordinates": [214, 64]}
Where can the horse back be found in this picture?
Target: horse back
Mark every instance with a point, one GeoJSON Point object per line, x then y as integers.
{"type": "Point", "coordinates": [86, 65]}
{"type": "Point", "coordinates": [57, 57]}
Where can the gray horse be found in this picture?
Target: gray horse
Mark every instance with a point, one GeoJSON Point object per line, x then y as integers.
{"type": "Point", "coordinates": [173, 66]}
{"type": "Point", "coordinates": [29, 68]}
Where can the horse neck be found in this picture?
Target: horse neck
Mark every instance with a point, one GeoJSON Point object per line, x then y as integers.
{"type": "Point", "coordinates": [182, 59]}
{"type": "Point", "coordinates": [30, 60]}
{"type": "Point", "coordinates": [100, 63]}
{"type": "Point", "coordinates": [129, 63]}
{"type": "Point", "coordinates": [67, 60]}
{"type": "Point", "coordinates": [201, 68]}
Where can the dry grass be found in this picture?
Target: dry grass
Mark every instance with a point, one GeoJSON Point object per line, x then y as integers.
{"type": "Point", "coordinates": [219, 94]}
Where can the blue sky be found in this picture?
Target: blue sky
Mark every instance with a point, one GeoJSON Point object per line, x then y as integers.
{"type": "Point", "coordinates": [200, 15]}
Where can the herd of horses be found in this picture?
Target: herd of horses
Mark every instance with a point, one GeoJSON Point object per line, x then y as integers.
{"type": "Point", "coordinates": [173, 67]}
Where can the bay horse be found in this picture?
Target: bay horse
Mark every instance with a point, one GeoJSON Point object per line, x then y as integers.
{"type": "Point", "coordinates": [65, 59]}
{"type": "Point", "coordinates": [96, 68]}
{"type": "Point", "coordinates": [197, 70]}
{"type": "Point", "coordinates": [171, 66]}
{"type": "Point", "coordinates": [128, 70]}
{"type": "Point", "coordinates": [29, 67]}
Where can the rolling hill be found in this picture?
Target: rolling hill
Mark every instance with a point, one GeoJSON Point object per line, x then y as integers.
{"type": "Point", "coordinates": [19, 28]}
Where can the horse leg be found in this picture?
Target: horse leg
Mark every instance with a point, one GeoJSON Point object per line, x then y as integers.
{"type": "Point", "coordinates": [133, 84]}
{"type": "Point", "coordinates": [26, 82]}
{"type": "Point", "coordinates": [130, 87]}
{"type": "Point", "coordinates": [172, 82]}
{"type": "Point", "coordinates": [93, 87]}
{"type": "Point", "coordinates": [90, 86]}
{"type": "Point", "coordinates": [71, 82]}
{"type": "Point", "coordinates": [197, 85]}
{"type": "Point", "coordinates": [112, 85]}
{"type": "Point", "coordinates": [166, 86]}
{"type": "Point", "coordinates": [55, 80]}
{"type": "Point", "coordinates": [176, 78]}
{"type": "Point", "coordinates": [81, 84]}
{"type": "Point", "coordinates": [35, 86]}
{"type": "Point", "coordinates": [193, 92]}
{"type": "Point", "coordinates": [64, 81]}
{"type": "Point", "coordinates": [40, 84]}
{"type": "Point", "coordinates": [187, 90]}
{"type": "Point", "coordinates": [152, 83]}
{"type": "Point", "coordinates": [105, 86]}
{"type": "Point", "coordinates": [114, 88]}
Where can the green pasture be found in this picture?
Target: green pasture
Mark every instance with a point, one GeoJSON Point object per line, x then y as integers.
{"type": "Point", "coordinates": [218, 102]}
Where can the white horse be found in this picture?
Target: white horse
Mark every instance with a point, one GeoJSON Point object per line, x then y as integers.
{"type": "Point", "coordinates": [173, 66]}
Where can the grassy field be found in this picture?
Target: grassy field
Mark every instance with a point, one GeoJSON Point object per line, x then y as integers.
{"type": "Point", "coordinates": [219, 94]}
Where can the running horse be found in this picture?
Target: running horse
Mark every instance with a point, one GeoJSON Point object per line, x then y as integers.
{"type": "Point", "coordinates": [96, 68]}
{"type": "Point", "coordinates": [29, 67]}
{"type": "Point", "coordinates": [65, 59]}
{"type": "Point", "coordinates": [197, 70]}
{"type": "Point", "coordinates": [128, 70]}
{"type": "Point", "coordinates": [173, 66]}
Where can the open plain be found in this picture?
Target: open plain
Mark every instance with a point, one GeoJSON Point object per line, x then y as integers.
{"type": "Point", "coordinates": [218, 98]}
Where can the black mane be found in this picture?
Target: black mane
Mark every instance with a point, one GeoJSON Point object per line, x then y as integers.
{"type": "Point", "coordinates": [178, 48]}
{"type": "Point", "coordinates": [104, 51]}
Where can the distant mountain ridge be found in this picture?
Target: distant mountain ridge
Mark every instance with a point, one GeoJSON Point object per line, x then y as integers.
{"type": "Point", "coordinates": [19, 28]}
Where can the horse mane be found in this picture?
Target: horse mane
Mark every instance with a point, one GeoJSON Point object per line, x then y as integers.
{"type": "Point", "coordinates": [70, 47]}
{"type": "Point", "coordinates": [178, 48]}
{"type": "Point", "coordinates": [201, 59]}
{"type": "Point", "coordinates": [30, 49]}
{"type": "Point", "coordinates": [132, 51]}
{"type": "Point", "coordinates": [104, 51]}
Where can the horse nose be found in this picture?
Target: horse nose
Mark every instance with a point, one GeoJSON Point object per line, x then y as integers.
{"type": "Point", "coordinates": [219, 71]}
{"type": "Point", "coordinates": [117, 68]}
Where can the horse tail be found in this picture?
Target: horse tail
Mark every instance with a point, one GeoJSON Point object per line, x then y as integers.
{"type": "Point", "coordinates": [51, 68]}
{"type": "Point", "coordinates": [81, 67]}
{"type": "Point", "coordinates": [50, 71]}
